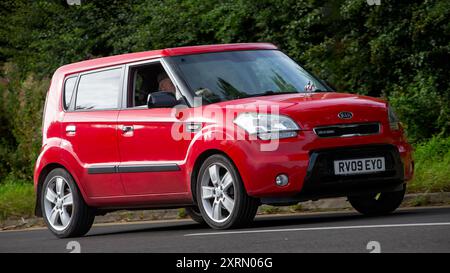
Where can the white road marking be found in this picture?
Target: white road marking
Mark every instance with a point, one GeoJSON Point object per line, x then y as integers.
{"type": "Point", "coordinates": [319, 228]}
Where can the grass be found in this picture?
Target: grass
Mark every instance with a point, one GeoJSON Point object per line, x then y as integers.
{"type": "Point", "coordinates": [432, 166]}
{"type": "Point", "coordinates": [16, 200]}
{"type": "Point", "coordinates": [266, 209]}
{"type": "Point", "coordinates": [182, 214]}
{"type": "Point", "coordinates": [296, 208]}
{"type": "Point", "coordinates": [432, 174]}
{"type": "Point", "coordinates": [420, 201]}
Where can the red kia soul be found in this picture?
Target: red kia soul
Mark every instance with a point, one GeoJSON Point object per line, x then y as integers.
{"type": "Point", "coordinates": [217, 129]}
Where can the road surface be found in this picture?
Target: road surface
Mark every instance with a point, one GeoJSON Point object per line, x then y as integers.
{"type": "Point", "coordinates": [407, 230]}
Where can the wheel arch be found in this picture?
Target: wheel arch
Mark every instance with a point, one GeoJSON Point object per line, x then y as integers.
{"type": "Point", "coordinates": [198, 163]}
{"type": "Point", "coordinates": [40, 181]}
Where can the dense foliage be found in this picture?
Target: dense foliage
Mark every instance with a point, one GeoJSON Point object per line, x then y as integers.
{"type": "Point", "coordinates": [399, 50]}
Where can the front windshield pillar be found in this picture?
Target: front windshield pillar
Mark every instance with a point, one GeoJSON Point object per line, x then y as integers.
{"type": "Point", "coordinates": [179, 81]}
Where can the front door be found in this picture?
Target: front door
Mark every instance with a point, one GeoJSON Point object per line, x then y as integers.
{"type": "Point", "coordinates": [150, 156]}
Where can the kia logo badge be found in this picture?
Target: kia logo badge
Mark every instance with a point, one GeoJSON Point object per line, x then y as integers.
{"type": "Point", "coordinates": [345, 115]}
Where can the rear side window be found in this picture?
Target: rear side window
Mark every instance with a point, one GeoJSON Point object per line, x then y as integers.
{"type": "Point", "coordinates": [99, 90]}
{"type": "Point", "coordinates": [69, 86]}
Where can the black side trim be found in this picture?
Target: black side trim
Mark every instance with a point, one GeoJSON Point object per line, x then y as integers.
{"type": "Point", "coordinates": [148, 168]}
{"type": "Point", "coordinates": [102, 169]}
{"type": "Point", "coordinates": [133, 169]}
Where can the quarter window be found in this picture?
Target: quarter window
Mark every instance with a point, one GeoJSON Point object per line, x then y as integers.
{"type": "Point", "coordinates": [69, 86]}
{"type": "Point", "coordinates": [99, 90]}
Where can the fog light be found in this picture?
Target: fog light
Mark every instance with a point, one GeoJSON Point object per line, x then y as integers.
{"type": "Point", "coordinates": [282, 180]}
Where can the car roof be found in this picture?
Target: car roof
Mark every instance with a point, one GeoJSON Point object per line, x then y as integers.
{"type": "Point", "coordinates": [147, 55]}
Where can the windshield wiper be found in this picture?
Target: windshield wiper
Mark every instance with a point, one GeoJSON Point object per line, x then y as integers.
{"type": "Point", "coordinates": [318, 90]}
{"type": "Point", "coordinates": [269, 93]}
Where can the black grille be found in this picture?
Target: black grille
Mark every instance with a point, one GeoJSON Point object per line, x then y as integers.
{"type": "Point", "coordinates": [347, 130]}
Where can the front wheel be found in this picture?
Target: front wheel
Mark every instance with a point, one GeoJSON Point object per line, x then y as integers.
{"type": "Point", "coordinates": [221, 195]}
{"type": "Point", "coordinates": [64, 210]}
{"type": "Point", "coordinates": [377, 203]}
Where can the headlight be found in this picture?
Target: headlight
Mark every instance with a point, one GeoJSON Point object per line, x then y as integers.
{"type": "Point", "coordinates": [267, 126]}
{"type": "Point", "coordinates": [393, 120]}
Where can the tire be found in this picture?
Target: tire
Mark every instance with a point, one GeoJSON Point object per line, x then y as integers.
{"type": "Point", "coordinates": [377, 203]}
{"type": "Point", "coordinates": [63, 207]}
{"type": "Point", "coordinates": [195, 214]}
{"type": "Point", "coordinates": [221, 196]}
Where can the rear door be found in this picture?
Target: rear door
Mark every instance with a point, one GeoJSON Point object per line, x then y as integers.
{"type": "Point", "coordinates": [90, 129]}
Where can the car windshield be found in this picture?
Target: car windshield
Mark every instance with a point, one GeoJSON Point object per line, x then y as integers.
{"type": "Point", "coordinates": [223, 76]}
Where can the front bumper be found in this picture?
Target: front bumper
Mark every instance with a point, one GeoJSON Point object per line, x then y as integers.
{"type": "Point", "coordinates": [321, 182]}
{"type": "Point", "coordinates": [308, 161]}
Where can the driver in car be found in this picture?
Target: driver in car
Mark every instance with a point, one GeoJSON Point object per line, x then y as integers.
{"type": "Point", "coordinates": [165, 84]}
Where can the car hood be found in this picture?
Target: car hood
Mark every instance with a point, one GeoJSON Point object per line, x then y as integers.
{"type": "Point", "coordinates": [316, 109]}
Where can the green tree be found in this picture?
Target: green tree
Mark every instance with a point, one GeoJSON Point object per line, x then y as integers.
{"type": "Point", "coordinates": [399, 50]}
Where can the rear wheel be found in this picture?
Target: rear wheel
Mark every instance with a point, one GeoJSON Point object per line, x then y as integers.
{"type": "Point", "coordinates": [221, 195]}
{"type": "Point", "coordinates": [377, 203]}
{"type": "Point", "coordinates": [195, 214]}
{"type": "Point", "coordinates": [64, 210]}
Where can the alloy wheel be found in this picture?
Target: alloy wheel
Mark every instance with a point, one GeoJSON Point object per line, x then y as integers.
{"type": "Point", "coordinates": [58, 203]}
{"type": "Point", "coordinates": [218, 192]}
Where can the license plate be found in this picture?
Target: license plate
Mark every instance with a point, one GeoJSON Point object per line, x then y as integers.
{"type": "Point", "coordinates": [359, 166]}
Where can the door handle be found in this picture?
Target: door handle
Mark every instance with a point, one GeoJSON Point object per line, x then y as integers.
{"type": "Point", "coordinates": [71, 129]}
{"type": "Point", "coordinates": [127, 129]}
{"type": "Point", "coordinates": [193, 127]}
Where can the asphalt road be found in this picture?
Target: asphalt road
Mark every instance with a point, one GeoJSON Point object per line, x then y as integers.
{"type": "Point", "coordinates": [407, 230]}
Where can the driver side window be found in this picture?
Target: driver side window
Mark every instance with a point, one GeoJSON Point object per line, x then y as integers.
{"type": "Point", "coordinates": [146, 79]}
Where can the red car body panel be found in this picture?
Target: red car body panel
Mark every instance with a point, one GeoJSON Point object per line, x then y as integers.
{"type": "Point", "coordinates": [99, 140]}
{"type": "Point", "coordinates": [154, 124]}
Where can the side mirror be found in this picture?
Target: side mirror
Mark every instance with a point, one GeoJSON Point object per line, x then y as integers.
{"type": "Point", "coordinates": [161, 99]}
